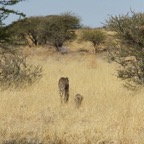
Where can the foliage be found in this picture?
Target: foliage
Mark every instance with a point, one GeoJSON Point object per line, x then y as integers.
{"type": "Point", "coordinates": [95, 36]}
{"type": "Point", "coordinates": [60, 29]}
{"type": "Point", "coordinates": [53, 30]}
{"type": "Point", "coordinates": [16, 73]}
{"type": "Point", "coordinates": [4, 13]}
{"type": "Point", "coordinates": [130, 51]}
{"type": "Point", "coordinates": [24, 31]}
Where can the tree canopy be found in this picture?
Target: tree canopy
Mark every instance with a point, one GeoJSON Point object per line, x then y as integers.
{"type": "Point", "coordinates": [41, 30]}
{"type": "Point", "coordinates": [4, 13]}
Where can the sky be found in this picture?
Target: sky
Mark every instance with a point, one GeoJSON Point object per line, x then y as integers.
{"type": "Point", "coordinates": [93, 13]}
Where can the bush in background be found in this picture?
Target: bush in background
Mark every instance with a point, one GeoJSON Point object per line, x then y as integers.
{"type": "Point", "coordinates": [95, 36]}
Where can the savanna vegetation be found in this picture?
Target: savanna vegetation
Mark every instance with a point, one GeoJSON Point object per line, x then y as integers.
{"type": "Point", "coordinates": [31, 64]}
{"type": "Point", "coordinates": [4, 13]}
{"type": "Point", "coordinates": [109, 112]}
{"type": "Point", "coordinates": [51, 30]}
{"type": "Point", "coordinates": [15, 72]}
{"type": "Point", "coordinates": [96, 37]}
{"type": "Point", "coordinates": [129, 53]}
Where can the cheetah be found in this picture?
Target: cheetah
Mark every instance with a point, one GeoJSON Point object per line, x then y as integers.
{"type": "Point", "coordinates": [63, 85]}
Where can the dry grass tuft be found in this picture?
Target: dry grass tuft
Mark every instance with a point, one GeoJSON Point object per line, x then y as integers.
{"type": "Point", "coordinates": [109, 114]}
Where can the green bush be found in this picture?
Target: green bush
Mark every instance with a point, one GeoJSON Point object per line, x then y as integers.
{"type": "Point", "coordinates": [95, 36]}
{"type": "Point", "coordinates": [129, 53]}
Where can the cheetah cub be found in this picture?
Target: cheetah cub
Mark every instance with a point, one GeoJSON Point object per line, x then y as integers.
{"type": "Point", "coordinates": [78, 100]}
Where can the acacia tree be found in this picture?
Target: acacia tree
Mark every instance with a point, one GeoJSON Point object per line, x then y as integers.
{"type": "Point", "coordinates": [25, 31]}
{"type": "Point", "coordinates": [41, 30]}
{"type": "Point", "coordinates": [129, 54]}
{"type": "Point", "coordinates": [60, 28]}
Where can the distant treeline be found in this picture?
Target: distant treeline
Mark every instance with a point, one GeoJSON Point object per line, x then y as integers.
{"type": "Point", "coordinates": [42, 30]}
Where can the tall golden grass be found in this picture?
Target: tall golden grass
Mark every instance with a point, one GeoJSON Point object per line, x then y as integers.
{"type": "Point", "coordinates": [110, 114]}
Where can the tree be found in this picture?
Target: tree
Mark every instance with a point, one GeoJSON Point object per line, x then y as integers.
{"type": "Point", "coordinates": [15, 72]}
{"type": "Point", "coordinates": [25, 31]}
{"type": "Point", "coordinates": [95, 36]}
{"type": "Point", "coordinates": [4, 13]}
{"type": "Point", "coordinates": [52, 29]}
{"type": "Point", "coordinates": [130, 52]}
{"type": "Point", "coordinates": [59, 29]}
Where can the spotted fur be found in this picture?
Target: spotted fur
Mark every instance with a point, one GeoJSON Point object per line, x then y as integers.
{"type": "Point", "coordinates": [63, 85]}
{"type": "Point", "coordinates": [78, 100]}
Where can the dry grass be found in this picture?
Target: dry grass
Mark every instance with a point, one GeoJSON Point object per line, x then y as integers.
{"type": "Point", "coordinates": [109, 114]}
{"type": "Point", "coordinates": [79, 45]}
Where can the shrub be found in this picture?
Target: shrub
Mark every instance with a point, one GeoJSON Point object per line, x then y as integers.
{"type": "Point", "coordinates": [95, 36]}
{"type": "Point", "coordinates": [16, 73]}
{"type": "Point", "coordinates": [129, 54]}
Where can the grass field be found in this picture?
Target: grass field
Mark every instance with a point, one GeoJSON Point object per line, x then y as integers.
{"type": "Point", "coordinates": [110, 114]}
